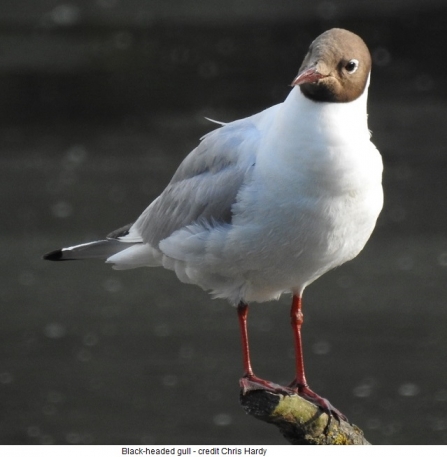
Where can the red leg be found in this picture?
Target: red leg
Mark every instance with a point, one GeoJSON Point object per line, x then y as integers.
{"type": "Point", "coordinates": [300, 382]}
{"type": "Point", "coordinates": [297, 319]}
{"type": "Point", "coordinates": [249, 381]}
{"type": "Point", "coordinates": [242, 314]}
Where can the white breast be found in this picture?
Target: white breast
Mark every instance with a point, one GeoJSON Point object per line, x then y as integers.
{"type": "Point", "coordinates": [316, 194]}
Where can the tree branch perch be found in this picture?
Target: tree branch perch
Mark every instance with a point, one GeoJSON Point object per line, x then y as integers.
{"type": "Point", "coordinates": [299, 421]}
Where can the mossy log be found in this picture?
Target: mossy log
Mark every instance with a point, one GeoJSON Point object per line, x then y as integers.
{"type": "Point", "coordinates": [299, 421]}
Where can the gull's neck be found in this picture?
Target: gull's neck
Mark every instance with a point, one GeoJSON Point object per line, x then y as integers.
{"type": "Point", "coordinates": [326, 123]}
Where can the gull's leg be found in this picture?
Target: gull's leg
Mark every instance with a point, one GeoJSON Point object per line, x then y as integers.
{"type": "Point", "coordinates": [242, 314]}
{"type": "Point", "coordinates": [249, 381]}
{"type": "Point", "coordinates": [297, 319]}
{"type": "Point", "coordinates": [300, 382]}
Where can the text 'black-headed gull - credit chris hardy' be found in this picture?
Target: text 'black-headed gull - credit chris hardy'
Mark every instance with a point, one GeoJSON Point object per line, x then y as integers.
{"type": "Point", "coordinates": [267, 204]}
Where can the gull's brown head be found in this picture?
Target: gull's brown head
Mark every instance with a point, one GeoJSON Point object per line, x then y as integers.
{"type": "Point", "coordinates": [336, 67]}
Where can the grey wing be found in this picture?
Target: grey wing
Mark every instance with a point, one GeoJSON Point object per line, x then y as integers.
{"type": "Point", "coordinates": [205, 185]}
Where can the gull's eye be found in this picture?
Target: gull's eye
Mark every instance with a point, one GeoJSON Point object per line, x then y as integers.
{"type": "Point", "coordinates": [351, 66]}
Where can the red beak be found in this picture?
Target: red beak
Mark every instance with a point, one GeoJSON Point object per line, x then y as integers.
{"type": "Point", "coordinates": [310, 75]}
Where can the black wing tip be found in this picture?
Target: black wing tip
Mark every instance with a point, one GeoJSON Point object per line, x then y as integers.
{"type": "Point", "coordinates": [54, 255]}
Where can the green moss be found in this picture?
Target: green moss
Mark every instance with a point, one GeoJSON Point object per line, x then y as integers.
{"type": "Point", "coordinates": [297, 410]}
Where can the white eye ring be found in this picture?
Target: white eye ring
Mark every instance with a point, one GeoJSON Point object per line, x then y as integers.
{"type": "Point", "coordinates": [352, 66]}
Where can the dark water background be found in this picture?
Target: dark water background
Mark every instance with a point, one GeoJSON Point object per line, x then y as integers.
{"type": "Point", "coordinates": [99, 102]}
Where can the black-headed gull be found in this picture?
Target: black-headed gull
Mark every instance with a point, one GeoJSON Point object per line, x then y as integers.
{"type": "Point", "coordinates": [267, 204]}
